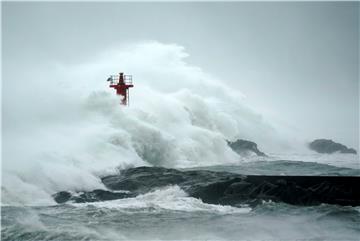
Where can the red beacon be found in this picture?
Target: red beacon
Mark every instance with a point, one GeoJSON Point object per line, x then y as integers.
{"type": "Point", "coordinates": [121, 83]}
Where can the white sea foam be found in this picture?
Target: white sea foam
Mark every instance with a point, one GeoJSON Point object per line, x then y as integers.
{"type": "Point", "coordinates": [167, 198]}
{"type": "Point", "coordinates": [65, 136]}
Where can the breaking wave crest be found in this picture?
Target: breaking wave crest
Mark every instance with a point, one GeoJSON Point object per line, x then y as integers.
{"type": "Point", "coordinates": [168, 198]}
{"type": "Point", "coordinates": [72, 133]}
{"type": "Point", "coordinates": [68, 135]}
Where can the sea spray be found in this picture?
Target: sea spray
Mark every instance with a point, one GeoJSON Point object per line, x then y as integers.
{"type": "Point", "coordinates": [66, 136]}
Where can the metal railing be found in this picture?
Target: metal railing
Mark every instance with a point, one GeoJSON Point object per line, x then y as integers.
{"type": "Point", "coordinates": [114, 79]}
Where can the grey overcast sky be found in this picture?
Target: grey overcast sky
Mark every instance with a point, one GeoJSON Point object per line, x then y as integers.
{"type": "Point", "coordinates": [296, 62]}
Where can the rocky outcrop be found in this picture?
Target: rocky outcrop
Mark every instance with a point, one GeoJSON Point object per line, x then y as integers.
{"type": "Point", "coordinates": [244, 147]}
{"type": "Point", "coordinates": [329, 146]}
{"type": "Point", "coordinates": [227, 188]}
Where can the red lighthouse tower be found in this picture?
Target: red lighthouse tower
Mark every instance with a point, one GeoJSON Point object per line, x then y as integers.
{"type": "Point", "coordinates": [121, 83]}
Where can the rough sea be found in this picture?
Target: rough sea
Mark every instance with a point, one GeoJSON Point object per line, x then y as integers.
{"type": "Point", "coordinates": [168, 213]}
{"type": "Point", "coordinates": [66, 137]}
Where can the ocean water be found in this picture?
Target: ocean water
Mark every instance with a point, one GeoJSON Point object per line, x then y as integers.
{"type": "Point", "coordinates": [152, 220]}
{"type": "Point", "coordinates": [180, 117]}
{"type": "Point", "coordinates": [168, 213]}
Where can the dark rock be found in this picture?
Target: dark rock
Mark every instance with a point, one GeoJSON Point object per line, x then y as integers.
{"type": "Point", "coordinates": [62, 197]}
{"type": "Point", "coordinates": [243, 147]}
{"type": "Point", "coordinates": [91, 196]}
{"type": "Point", "coordinates": [227, 188]}
{"type": "Point", "coordinates": [329, 146]}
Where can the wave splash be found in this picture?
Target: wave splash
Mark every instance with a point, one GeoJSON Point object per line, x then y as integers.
{"type": "Point", "coordinates": [167, 198]}
{"type": "Point", "coordinates": [69, 135]}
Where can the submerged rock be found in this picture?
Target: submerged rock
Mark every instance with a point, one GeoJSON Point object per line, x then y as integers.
{"type": "Point", "coordinates": [245, 147]}
{"type": "Point", "coordinates": [329, 146]}
{"type": "Point", "coordinates": [91, 196]}
{"type": "Point", "coordinates": [227, 188]}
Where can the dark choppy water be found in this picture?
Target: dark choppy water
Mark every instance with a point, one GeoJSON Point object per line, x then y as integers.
{"type": "Point", "coordinates": [269, 221]}
{"type": "Point", "coordinates": [169, 214]}
{"type": "Point", "coordinates": [284, 167]}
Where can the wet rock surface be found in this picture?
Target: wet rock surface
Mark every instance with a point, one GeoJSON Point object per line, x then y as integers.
{"type": "Point", "coordinates": [226, 188]}
{"type": "Point", "coordinates": [329, 146]}
{"type": "Point", "coordinates": [244, 147]}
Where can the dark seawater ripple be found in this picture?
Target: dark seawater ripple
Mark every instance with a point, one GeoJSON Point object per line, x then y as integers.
{"type": "Point", "coordinates": [283, 167]}
{"type": "Point", "coordinates": [164, 204]}
{"type": "Point", "coordinates": [268, 221]}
